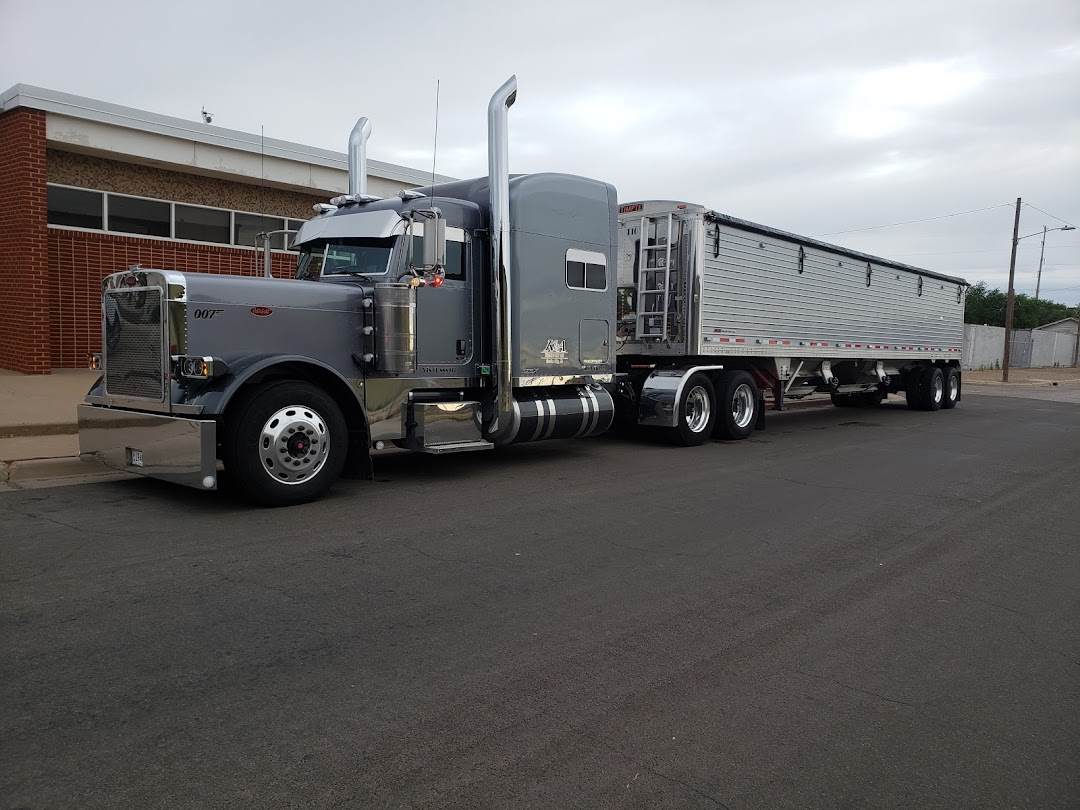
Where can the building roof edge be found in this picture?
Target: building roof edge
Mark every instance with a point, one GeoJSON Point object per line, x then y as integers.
{"type": "Point", "coordinates": [53, 101]}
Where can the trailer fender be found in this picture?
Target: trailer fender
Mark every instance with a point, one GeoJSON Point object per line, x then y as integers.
{"type": "Point", "coordinates": [659, 399]}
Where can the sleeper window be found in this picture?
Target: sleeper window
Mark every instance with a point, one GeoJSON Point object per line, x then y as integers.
{"type": "Point", "coordinates": [586, 270]}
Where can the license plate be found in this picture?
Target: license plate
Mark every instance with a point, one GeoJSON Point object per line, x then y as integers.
{"type": "Point", "coordinates": [136, 457]}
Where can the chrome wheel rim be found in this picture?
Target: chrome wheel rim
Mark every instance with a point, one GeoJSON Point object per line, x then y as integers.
{"type": "Point", "coordinates": [742, 406]}
{"type": "Point", "coordinates": [698, 409]}
{"type": "Point", "coordinates": [954, 387]}
{"type": "Point", "coordinates": [294, 445]}
{"type": "Point", "coordinates": [939, 388]}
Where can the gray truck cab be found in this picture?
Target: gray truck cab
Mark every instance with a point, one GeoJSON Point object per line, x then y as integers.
{"type": "Point", "coordinates": [460, 317]}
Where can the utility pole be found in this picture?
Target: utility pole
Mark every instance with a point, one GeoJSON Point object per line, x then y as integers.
{"type": "Point", "coordinates": [1076, 348]}
{"type": "Point", "coordinates": [1038, 278]}
{"type": "Point", "coordinates": [1011, 300]}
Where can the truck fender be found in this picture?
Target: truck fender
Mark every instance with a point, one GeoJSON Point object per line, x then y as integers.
{"type": "Point", "coordinates": [217, 395]}
{"type": "Point", "coordinates": [659, 398]}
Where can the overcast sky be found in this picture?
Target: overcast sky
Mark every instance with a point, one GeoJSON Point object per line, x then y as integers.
{"type": "Point", "coordinates": [815, 117]}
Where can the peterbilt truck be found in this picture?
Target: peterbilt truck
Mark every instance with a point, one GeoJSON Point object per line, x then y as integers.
{"type": "Point", "coordinates": [475, 314]}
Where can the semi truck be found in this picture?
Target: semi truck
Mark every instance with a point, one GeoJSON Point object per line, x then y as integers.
{"type": "Point", "coordinates": [475, 314]}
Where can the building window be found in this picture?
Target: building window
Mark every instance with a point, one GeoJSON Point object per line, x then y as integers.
{"type": "Point", "coordinates": [202, 224]}
{"type": "Point", "coordinates": [586, 270]}
{"type": "Point", "coordinates": [139, 216]}
{"type": "Point", "coordinates": [247, 226]}
{"type": "Point", "coordinates": [98, 210]}
{"type": "Point", "coordinates": [74, 207]}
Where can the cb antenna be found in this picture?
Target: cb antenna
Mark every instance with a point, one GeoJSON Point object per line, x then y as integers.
{"type": "Point", "coordinates": [435, 146]}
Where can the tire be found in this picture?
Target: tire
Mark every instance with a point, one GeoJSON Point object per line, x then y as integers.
{"type": "Point", "coordinates": [952, 388]}
{"type": "Point", "coordinates": [871, 399]}
{"type": "Point", "coordinates": [737, 405]}
{"type": "Point", "coordinates": [912, 383]}
{"type": "Point", "coordinates": [931, 389]}
{"type": "Point", "coordinates": [264, 450]}
{"type": "Point", "coordinates": [697, 412]}
{"type": "Point", "coordinates": [860, 399]}
{"type": "Point", "coordinates": [842, 400]}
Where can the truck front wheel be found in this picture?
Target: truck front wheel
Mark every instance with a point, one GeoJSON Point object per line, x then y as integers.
{"type": "Point", "coordinates": [737, 403]}
{"type": "Point", "coordinates": [286, 444]}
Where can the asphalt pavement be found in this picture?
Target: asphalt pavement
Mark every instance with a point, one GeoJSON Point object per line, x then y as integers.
{"type": "Point", "coordinates": [854, 608]}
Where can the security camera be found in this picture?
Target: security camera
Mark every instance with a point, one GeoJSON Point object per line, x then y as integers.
{"type": "Point", "coordinates": [207, 117]}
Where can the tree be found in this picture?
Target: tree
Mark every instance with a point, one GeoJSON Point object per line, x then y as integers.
{"type": "Point", "coordinates": [986, 306]}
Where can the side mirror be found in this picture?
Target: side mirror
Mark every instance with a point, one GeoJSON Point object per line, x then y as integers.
{"type": "Point", "coordinates": [434, 241]}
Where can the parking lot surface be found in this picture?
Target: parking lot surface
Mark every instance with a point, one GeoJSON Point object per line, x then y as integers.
{"type": "Point", "coordinates": [854, 608]}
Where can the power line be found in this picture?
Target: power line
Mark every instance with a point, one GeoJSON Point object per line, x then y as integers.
{"type": "Point", "coordinates": [927, 219]}
{"type": "Point", "coordinates": [1059, 219]}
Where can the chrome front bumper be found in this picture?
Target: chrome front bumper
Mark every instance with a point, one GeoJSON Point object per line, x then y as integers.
{"type": "Point", "coordinates": [176, 449]}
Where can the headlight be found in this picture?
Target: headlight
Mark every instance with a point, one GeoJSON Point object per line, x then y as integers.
{"type": "Point", "coordinates": [200, 368]}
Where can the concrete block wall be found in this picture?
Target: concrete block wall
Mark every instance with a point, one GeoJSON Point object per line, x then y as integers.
{"type": "Point", "coordinates": [984, 347]}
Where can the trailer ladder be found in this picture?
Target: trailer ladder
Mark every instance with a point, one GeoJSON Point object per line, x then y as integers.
{"type": "Point", "coordinates": [649, 276]}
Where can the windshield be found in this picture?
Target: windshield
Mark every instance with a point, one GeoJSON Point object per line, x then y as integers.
{"type": "Point", "coordinates": [365, 256]}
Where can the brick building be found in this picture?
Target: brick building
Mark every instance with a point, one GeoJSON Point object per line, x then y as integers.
{"type": "Point", "coordinates": [88, 188]}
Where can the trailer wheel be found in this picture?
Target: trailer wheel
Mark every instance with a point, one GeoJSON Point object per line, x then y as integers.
{"type": "Point", "coordinates": [286, 444]}
{"type": "Point", "coordinates": [697, 412]}
{"type": "Point", "coordinates": [737, 404]}
{"type": "Point", "coordinates": [931, 389]}
{"type": "Point", "coordinates": [952, 388]}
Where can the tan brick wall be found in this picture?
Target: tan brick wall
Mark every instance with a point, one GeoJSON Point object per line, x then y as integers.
{"type": "Point", "coordinates": [24, 263]}
{"type": "Point", "coordinates": [84, 171]}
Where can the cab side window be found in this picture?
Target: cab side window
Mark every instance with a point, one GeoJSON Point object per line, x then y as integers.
{"type": "Point", "coordinates": [455, 255]}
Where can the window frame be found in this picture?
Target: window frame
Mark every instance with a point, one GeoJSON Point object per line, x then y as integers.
{"type": "Point", "coordinates": [167, 203]}
{"type": "Point", "coordinates": [232, 212]}
{"type": "Point", "coordinates": [585, 258]}
{"type": "Point", "coordinates": [101, 194]}
{"type": "Point", "coordinates": [228, 211]}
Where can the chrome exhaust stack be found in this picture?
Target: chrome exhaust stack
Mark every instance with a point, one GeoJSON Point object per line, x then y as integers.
{"type": "Point", "coordinates": [499, 200]}
{"type": "Point", "coordinates": [358, 139]}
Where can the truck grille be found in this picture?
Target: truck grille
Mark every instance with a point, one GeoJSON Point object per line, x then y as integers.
{"type": "Point", "coordinates": [134, 337]}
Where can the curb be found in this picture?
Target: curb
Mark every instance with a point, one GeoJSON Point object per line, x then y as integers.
{"type": "Point", "coordinates": [49, 429]}
{"type": "Point", "coordinates": [34, 469]}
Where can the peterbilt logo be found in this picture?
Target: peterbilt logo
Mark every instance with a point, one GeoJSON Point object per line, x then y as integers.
{"type": "Point", "coordinates": [261, 312]}
{"type": "Point", "coordinates": [207, 314]}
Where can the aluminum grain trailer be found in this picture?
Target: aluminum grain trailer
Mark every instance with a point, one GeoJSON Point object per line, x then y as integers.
{"type": "Point", "coordinates": [714, 312]}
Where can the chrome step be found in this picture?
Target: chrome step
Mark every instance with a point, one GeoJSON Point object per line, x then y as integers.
{"type": "Point", "coordinates": [458, 447]}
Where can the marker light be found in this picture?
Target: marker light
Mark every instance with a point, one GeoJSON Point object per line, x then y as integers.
{"type": "Point", "coordinates": [94, 362]}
